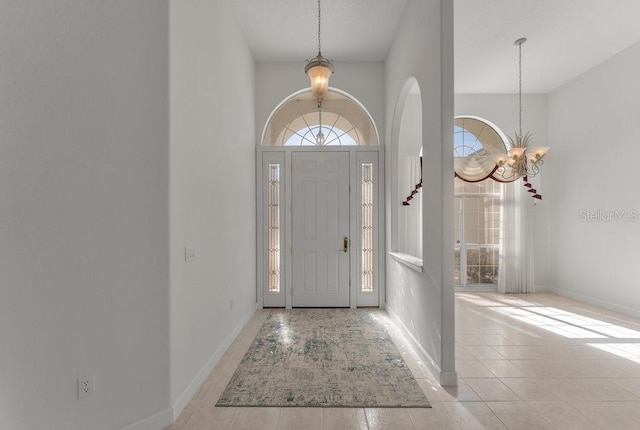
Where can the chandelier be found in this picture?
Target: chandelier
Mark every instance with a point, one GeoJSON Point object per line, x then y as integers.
{"type": "Point", "coordinates": [520, 161]}
{"type": "Point", "coordinates": [319, 69]}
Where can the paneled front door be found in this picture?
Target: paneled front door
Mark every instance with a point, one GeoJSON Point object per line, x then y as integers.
{"type": "Point", "coordinates": [320, 229]}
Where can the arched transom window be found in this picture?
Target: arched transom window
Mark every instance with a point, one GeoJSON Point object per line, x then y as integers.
{"type": "Point", "coordinates": [476, 142]}
{"type": "Point", "coordinates": [339, 120]}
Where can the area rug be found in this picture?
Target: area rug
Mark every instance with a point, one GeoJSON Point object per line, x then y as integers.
{"type": "Point", "coordinates": [323, 358]}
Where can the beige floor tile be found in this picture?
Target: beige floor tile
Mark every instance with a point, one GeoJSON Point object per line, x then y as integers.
{"type": "Point", "coordinates": [632, 368]}
{"type": "Point", "coordinates": [208, 417]}
{"type": "Point", "coordinates": [562, 389]}
{"type": "Point", "coordinates": [492, 390]}
{"type": "Point", "coordinates": [462, 353]}
{"type": "Point", "coordinates": [493, 339]}
{"type": "Point", "coordinates": [611, 415]}
{"type": "Point", "coordinates": [256, 418]}
{"type": "Point", "coordinates": [601, 368]}
{"type": "Point", "coordinates": [543, 368]}
{"type": "Point", "coordinates": [470, 339]}
{"type": "Point", "coordinates": [388, 419]}
{"type": "Point", "coordinates": [562, 415]}
{"type": "Point", "coordinates": [483, 352]}
{"type": "Point", "coordinates": [524, 339]}
{"type": "Point", "coordinates": [518, 416]}
{"type": "Point", "coordinates": [605, 389]}
{"type": "Point", "coordinates": [474, 416]}
{"type": "Point", "coordinates": [300, 418]}
{"type": "Point", "coordinates": [525, 352]}
{"type": "Point", "coordinates": [472, 369]}
{"type": "Point", "coordinates": [436, 417]}
{"type": "Point", "coordinates": [503, 368]}
{"type": "Point", "coordinates": [344, 419]}
{"type": "Point", "coordinates": [632, 385]}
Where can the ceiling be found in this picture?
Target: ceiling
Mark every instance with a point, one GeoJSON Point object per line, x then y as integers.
{"type": "Point", "coordinates": [287, 30]}
{"type": "Point", "coordinates": [565, 37]}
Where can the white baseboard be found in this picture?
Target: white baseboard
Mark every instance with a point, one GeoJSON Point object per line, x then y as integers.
{"type": "Point", "coordinates": [165, 418]}
{"type": "Point", "coordinates": [158, 421]}
{"type": "Point", "coordinates": [542, 288]}
{"type": "Point", "coordinates": [596, 302]}
{"type": "Point", "coordinates": [446, 378]}
{"type": "Point", "coordinates": [191, 389]}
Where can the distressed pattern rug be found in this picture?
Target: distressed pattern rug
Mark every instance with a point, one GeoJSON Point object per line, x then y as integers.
{"type": "Point", "coordinates": [323, 358]}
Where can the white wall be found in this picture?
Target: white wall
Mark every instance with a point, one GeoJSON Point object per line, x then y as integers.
{"type": "Point", "coordinates": [593, 131]}
{"type": "Point", "coordinates": [502, 111]}
{"type": "Point", "coordinates": [212, 189]}
{"type": "Point", "coordinates": [424, 302]}
{"type": "Point", "coordinates": [84, 226]}
{"type": "Point", "coordinates": [277, 81]}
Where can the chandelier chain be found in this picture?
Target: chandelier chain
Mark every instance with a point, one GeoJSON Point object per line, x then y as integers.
{"type": "Point", "coordinates": [319, 18]}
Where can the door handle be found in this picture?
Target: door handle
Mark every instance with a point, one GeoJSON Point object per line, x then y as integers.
{"type": "Point", "coordinates": [345, 244]}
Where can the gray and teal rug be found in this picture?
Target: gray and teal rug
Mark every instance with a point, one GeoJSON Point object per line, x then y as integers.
{"type": "Point", "coordinates": [323, 358]}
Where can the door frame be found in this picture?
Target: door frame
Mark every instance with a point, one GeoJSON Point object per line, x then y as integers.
{"type": "Point", "coordinates": [282, 155]}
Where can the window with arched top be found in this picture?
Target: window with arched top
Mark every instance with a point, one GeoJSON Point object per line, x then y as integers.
{"type": "Point", "coordinates": [477, 203]}
{"type": "Point", "coordinates": [476, 142]}
{"type": "Point", "coordinates": [339, 120]}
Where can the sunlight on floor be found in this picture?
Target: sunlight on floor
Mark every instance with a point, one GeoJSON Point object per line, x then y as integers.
{"type": "Point", "coordinates": [565, 323]}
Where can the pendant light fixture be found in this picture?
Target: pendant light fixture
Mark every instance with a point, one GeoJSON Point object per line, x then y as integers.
{"type": "Point", "coordinates": [319, 69]}
{"type": "Point", "coordinates": [520, 161]}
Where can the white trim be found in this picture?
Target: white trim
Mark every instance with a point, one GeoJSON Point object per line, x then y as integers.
{"type": "Point", "coordinates": [596, 302]}
{"type": "Point", "coordinates": [191, 389]}
{"type": "Point", "coordinates": [158, 421]}
{"type": "Point", "coordinates": [410, 261]}
{"type": "Point", "coordinates": [286, 196]}
{"type": "Point", "coordinates": [446, 378]}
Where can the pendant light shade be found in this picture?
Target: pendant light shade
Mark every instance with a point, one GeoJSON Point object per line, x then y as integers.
{"type": "Point", "coordinates": [319, 70]}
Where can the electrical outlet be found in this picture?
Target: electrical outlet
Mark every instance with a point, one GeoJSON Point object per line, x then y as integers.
{"type": "Point", "coordinates": [189, 254]}
{"type": "Point", "coordinates": [86, 387]}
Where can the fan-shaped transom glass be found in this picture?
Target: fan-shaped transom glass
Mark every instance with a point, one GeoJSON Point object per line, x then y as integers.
{"type": "Point", "coordinates": [476, 142]}
{"type": "Point", "coordinates": [340, 121]}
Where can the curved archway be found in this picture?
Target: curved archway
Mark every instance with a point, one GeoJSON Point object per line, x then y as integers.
{"type": "Point", "coordinates": [407, 174]}
{"type": "Point", "coordinates": [299, 120]}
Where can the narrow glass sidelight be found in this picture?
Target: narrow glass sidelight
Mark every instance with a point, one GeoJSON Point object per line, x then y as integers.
{"type": "Point", "coordinates": [367, 227]}
{"type": "Point", "coordinates": [273, 229]}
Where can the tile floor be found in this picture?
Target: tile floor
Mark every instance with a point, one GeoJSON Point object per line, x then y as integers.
{"type": "Point", "coordinates": [536, 361]}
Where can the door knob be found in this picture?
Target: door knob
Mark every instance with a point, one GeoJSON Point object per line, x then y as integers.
{"type": "Point", "coordinates": [345, 244]}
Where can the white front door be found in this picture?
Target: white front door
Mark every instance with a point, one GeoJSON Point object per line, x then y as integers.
{"type": "Point", "coordinates": [320, 230]}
